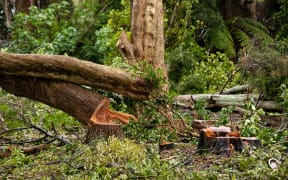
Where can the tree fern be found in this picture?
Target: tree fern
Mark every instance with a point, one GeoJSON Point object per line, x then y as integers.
{"type": "Point", "coordinates": [252, 28]}
{"type": "Point", "coordinates": [217, 36]}
{"type": "Point", "coordinates": [222, 40]}
{"type": "Point", "coordinates": [230, 35]}
{"type": "Point", "coordinates": [242, 37]}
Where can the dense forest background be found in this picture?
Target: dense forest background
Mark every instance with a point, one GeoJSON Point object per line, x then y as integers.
{"type": "Point", "coordinates": [210, 45]}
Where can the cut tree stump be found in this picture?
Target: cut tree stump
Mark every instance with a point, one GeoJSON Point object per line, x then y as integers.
{"type": "Point", "coordinates": [96, 131]}
{"type": "Point", "coordinates": [220, 140]}
{"type": "Point", "coordinates": [200, 124]}
{"type": "Point", "coordinates": [101, 122]}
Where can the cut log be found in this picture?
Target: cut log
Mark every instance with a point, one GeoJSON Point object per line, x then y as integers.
{"type": "Point", "coordinates": [34, 149]}
{"type": "Point", "coordinates": [70, 98]}
{"type": "Point", "coordinates": [75, 71]}
{"type": "Point", "coordinates": [223, 100]}
{"type": "Point", "coordinates": [164, 145]}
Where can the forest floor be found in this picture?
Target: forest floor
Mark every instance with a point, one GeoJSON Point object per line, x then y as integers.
{"type": "Point", "coordinates": [135, 157]}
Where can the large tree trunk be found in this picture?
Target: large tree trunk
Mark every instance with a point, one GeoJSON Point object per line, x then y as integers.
{"type": "Point", "coordinates": [89, 108]}
{"type": "Point", "coordinates": [75, 71]}
{"type": "Point", "coordinates": [79, 102]}
{"type": "Point", "coordinates": [147, 41]}
{"type": "Point", "coordinates": [8, 13]}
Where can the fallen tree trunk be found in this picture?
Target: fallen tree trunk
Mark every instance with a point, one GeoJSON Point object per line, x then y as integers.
{"type": "Point", "coordinates": [75, 71]}
{"type": "Point", "coordinates": [223, 100]}
{"type": "Point", "coordinates": [86, 106]}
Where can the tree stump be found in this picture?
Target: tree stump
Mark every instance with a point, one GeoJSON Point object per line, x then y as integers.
{"type": "Point", "coordinates": [200, 124]}
{"type": "Point", "coordinates": [207, 137]}
{"type": "Point", "coordinates": [101, 122]}
{"type": "Point", "coordinates": [220, 140]}
{"type": "Point", "coordinates": [104, 131]}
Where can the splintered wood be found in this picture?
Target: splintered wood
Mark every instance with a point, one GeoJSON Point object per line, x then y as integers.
{"type": "Point", "coordinates": [101, 122]}
{"type": "Point", "coordinates": [221, 140]}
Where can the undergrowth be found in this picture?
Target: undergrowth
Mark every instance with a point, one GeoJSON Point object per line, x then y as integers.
{"type": "Point", "coordinates": [136, 157]}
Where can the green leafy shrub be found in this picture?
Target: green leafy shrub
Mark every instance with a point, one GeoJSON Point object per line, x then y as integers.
{"type": "Point", "coordinates": [209, 75]}
{"type": "Point", "coordinates": [267, 70]}
{"type": "Point", "coordinates": [280, 20]}
{"type": "Point", "coordinates": [37, 31]}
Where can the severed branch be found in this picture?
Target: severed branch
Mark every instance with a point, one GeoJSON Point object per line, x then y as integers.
{"type": "Point", "coordinates": [46, 135]}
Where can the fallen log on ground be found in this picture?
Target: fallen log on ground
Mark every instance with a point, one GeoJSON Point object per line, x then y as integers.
{"type": "Point", "coordinates": [224, 100]}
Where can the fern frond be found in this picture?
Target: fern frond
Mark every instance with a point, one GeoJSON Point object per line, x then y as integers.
{"type": "Point", "coordinates": [253, 28]}
{"type": "Point", "coordinates": [222, 40]}
{"type": "Point", "coordinates": [241, 36]}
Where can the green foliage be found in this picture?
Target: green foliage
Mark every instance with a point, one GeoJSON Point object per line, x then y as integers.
{"type": "Point", "coordinates": [39, 31]}
{"type": "Point", "coordinates": [63, 29]}
{"type": "Point", "coordinates": [225, 115]}
{"type": "Point", "coordinates": [250, 126]}
{"type": "Point", "coordinates": [120, 159]}
{"type": "Point", "coordinates": [267, 70]}
{"type": "Point", "coordinates": [253, 125]}
{"type": "Point", "coordinates": [202, 112]}
{"type": "Point", "coordinates": [208, 75]}
{"type": "Point", "coordinates": [227, 36]}
{"type": "Point", "coordinates": [280, 20]}
{"type": "Point", "coordinates": [245, 28]}
{"type": "Point", "coordinates": [95, 40]}
{"type": "Point", "coordinates": [214, 32]}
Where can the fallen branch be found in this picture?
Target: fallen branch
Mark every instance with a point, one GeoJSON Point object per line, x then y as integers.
{"type": "Point", "coordinates": [48, 134]}
{"type": "Point", "coordinates": [236, 89]}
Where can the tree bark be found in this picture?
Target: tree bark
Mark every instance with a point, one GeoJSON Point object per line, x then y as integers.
{"type": "Point", "coordinates": [75, 71]}
{"type": "Point", "coordinates": [147, 40]}
{"type": "Point", "coordinates": [86, 106]}
{"type": "Point", "coordinates": [223, 100]}
{"type": "Point", "coordinates": [8, 13]}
